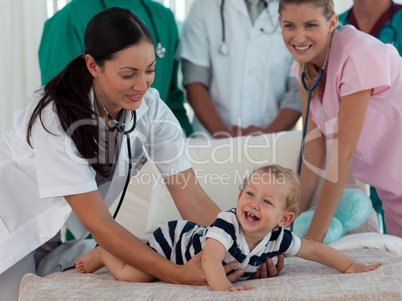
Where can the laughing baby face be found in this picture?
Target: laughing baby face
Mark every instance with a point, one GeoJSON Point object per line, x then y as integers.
{"type": "Point", "coordinates": [262, 205]}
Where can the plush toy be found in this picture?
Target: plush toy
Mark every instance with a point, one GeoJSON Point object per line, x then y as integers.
{"type": "Point", "coordinates": [353, 210]}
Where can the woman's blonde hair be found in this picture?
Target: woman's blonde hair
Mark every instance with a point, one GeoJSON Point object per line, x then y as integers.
{"type": "Point", "coordinates": [286, 176]}
{"type": "Point", "coordinates": [310, 70]}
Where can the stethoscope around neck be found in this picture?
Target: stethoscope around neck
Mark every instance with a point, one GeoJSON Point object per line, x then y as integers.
{"type": "Point", "coordinates": [119, 126]}
{"type": "Point", "coordinates": [160, 51]}
{"type": "Point", "coordinates": [389, 27]}
{"type": "Point", "coordinates": [309, 90]}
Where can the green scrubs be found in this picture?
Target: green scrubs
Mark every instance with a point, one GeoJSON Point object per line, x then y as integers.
{"type": "Point", "coordinates": [63, 40]}
{"type": "Point", "coordinates": [387, 31]}
{"type": "Point", "coordinates": [383, 29]}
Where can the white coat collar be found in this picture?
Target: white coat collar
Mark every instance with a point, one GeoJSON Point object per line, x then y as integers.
{"type": "Point", "coordinates": [241, 5]}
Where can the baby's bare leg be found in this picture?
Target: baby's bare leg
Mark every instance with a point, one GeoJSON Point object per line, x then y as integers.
{"type": "Point", "coordinates": [99, 257]}
{"type": "Point", "coordinates": [123, 271]}
{"type": "Point", "coordinates": [90, 262]}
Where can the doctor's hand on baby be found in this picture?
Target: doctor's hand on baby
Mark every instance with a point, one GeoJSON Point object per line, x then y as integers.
{"type": "Point", "coordinates": [267, 269]}
{"type": "Point", "coordinates": [194, 265]}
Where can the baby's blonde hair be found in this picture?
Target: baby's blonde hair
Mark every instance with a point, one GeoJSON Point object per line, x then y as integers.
{"type": "Point", "coordinates": [290, 179]}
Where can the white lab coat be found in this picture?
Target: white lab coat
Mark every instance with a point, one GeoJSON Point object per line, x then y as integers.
{"type": "Point", "coordinates": [34, 180]}
{"type": "Point", "coordinates": [246, 84]}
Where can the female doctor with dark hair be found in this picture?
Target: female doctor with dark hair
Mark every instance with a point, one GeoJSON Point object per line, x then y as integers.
{"type": "Point", "coordinates": [55, 157]}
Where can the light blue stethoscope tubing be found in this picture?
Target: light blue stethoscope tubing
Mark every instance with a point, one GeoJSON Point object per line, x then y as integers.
{"type": "Point", "coordinates": [320, 74]}
{"type": "Point", "coordinates": [390, 27]}
{"type": "Point", "coordinates": [309, 90]}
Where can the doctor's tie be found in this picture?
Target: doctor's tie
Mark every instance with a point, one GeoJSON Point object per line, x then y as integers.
{"type": "Point", "coordinates": [253, 9]}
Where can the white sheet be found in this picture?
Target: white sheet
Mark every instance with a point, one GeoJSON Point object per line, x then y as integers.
{"type": "Point", "coordinates": [370, 240]}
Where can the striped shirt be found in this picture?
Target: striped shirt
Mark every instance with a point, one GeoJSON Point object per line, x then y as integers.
{"type": "Point", "coordinates": [179, 241]}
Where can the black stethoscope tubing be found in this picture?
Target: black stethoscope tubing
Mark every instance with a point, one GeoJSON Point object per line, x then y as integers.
{"type": "Point", "coordinates": [130, 168]}
{"type": "Point", "coordinates": [223, 20]}
{"type": "Point", "coordinates": [130, 163]}
{"type": "Point", "coordinates": [223, 48]}
{"type": "Point", "coordinates": [120, 128]}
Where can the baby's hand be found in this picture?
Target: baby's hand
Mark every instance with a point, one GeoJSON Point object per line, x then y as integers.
{"type": "Point", "coordinates": [361, 268]}
{"type": "Point", "coordinates": [240, 288]}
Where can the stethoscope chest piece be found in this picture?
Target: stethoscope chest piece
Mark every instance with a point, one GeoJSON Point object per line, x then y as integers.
{"type": "Point", "coordinates": [160, 51]}
{"type": "Point", "coordinates": [224, 49]}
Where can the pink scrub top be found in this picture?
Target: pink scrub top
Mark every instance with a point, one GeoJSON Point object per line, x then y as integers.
{"type": "Point", "coordinates": [358, 61]}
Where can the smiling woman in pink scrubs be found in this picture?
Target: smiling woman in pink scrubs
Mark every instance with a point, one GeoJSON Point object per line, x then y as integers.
{"type": "Point", "coordinates": [355, 120]}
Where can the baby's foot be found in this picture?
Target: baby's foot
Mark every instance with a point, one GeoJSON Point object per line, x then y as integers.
{"type": "Point", "coordinates": [90, 262]}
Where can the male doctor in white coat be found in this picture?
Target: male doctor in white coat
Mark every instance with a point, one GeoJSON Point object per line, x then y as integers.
{"type": "Point", "coordinates": [236, 68]}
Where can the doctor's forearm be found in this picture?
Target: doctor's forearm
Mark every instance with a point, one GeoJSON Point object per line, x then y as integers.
{"type": "Point", "coordinates": [190, 199]}
{"type": "Point", "coordinates": [335, 177]}
{"type": "Point", "coordinates": [313, 158]}
{"type": "Point", "coordinates": [284, 121]}
{"type": "Point", "coordinates": [331, 192]}
{"type": "Point", "coordinates": [95, 216]}
{"type": "Point", "coordinates": [349, 125]}
{"type": "Point", "coordinates": [200, 100]}
{"type": "Point", "coordinates": [124, 245]}
{"type": "Point", "coordinates": [313, 162]}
